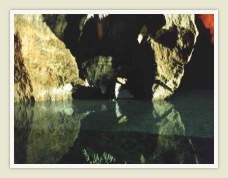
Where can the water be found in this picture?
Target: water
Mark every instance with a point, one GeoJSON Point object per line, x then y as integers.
{"type": "Point", "coordinates": [180, 131]}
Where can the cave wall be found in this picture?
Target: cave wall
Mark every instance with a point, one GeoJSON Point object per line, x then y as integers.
{"type": "Point", "coordinates": [44, 69]}
{"type": "Point", "coordinates": [57, 49]}
{"type": "Point", "coordinates": [173, 46]}
{"type": "Point", "coordinates": [162, 29]}
{"type": "Point", "coordinates": [115, 36]}
{"type": "Point", "coordinates": [154, 65]}
{"type": "Point", "coordinates": [57, 23]}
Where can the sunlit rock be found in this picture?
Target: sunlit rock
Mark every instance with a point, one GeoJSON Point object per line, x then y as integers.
{"type": "Point", "coordinates": [43, 68]}
{"type": "Point", "coordinates": [140, 37]}
{"type": "Point", "coordinates": [118, 85]}
{"type": "Point", "coordinates": [173, 46]}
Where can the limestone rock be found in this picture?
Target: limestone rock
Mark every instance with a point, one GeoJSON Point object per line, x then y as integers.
{"type": "Point", "coordinates": [98, 70]}
{"type": "Point", "coordinates": [44, 69]}
{"type": "Point", "coordinates": [173, 46]}
{"type": "Point", "coordinates": [150, 50]}
{"type": "Point", "coordinates": [114, 38]}
{"type": "Point", "coordinates": [164, 44]}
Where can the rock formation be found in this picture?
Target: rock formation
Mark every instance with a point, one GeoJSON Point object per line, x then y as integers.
{"type": "Point", "coordinates": [98, 70]}
{"type": "Point", "coordinates": [173, 46]}
{"type": "Point", "coordinates": [173, 146]}
{"type": "Point", "coordinates": [114, 37]}
{"type": "Point", "coordinates": [154, 67]}
{"type": "Point", "coordinates": [149, 50]}
{"type": "Point", "coordinates": [43, 68]}
{"type": "Point", "coordinates": [57, 23]}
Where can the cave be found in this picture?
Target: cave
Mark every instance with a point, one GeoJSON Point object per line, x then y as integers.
{"type": "Point", "coordinates": [107, 47]}
{"type": "Point", "coordinates": [113, 89]}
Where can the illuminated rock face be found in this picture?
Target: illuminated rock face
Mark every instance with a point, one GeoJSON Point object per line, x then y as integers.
{"type": "Point", "coordinates": [150, 51]}
{"type": "Point", "coordinates": [165, 41]}
{"type": "Point", "coordinates": [43, 68]}
{"type": "Point", "coordinates": [173, 46]}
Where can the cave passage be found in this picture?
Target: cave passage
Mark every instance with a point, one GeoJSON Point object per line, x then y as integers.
{"type": "Point", "coordinates": [111, 46]}
{"type": "Point", "coordinates": [108, 48]}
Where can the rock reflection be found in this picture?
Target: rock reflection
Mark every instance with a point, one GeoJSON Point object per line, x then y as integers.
{"type": "Point", "coordinates": [172, 145]}
{"type": "Point", "coordinates": [22, 128]}
{"type": "Point", "coordinates": [44, 132]}
{"type": "Point", "coordinates": [122, 118]}
{"type": "Point", "coordinates": [105, 132]}
{"type": "Point", "coordinates": [149, 133]}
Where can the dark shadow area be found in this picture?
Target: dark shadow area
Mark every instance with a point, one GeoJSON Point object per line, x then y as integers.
{"type": "Point", "coordinates": [22, 128]}
{"type": "Point", "coordinates": [167, 38]}
{"type": "Point", "coordinates": [115, 37]}
{"type": "Point", "coordinates": [72, 33]}
{"type": "Point", "coordinates": [199, 72]}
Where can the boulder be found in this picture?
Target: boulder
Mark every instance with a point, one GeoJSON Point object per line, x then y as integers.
{"type": "Point", "coordinates": [173, 46]}
{"type": "Point", "coordinates": [43, 68]}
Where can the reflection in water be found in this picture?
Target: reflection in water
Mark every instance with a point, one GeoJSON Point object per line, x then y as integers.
{"type": "Point", "coordinates": [44, 132]}
{"type": "Point", "coordinates": [107, 132]}
{"type": "Point", "coordinates": [173, 146]}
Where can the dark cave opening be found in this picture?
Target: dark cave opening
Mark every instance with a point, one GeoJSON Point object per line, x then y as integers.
{"type": "Point", "coordinates": [116, 35]}
{"type": "Point", "coordinates": [199, 72]}
{"type": "Point", "coordinates": [130, 59]}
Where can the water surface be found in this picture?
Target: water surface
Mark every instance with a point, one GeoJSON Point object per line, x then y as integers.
{"type": "Point", "coordinates": [126, 131]}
